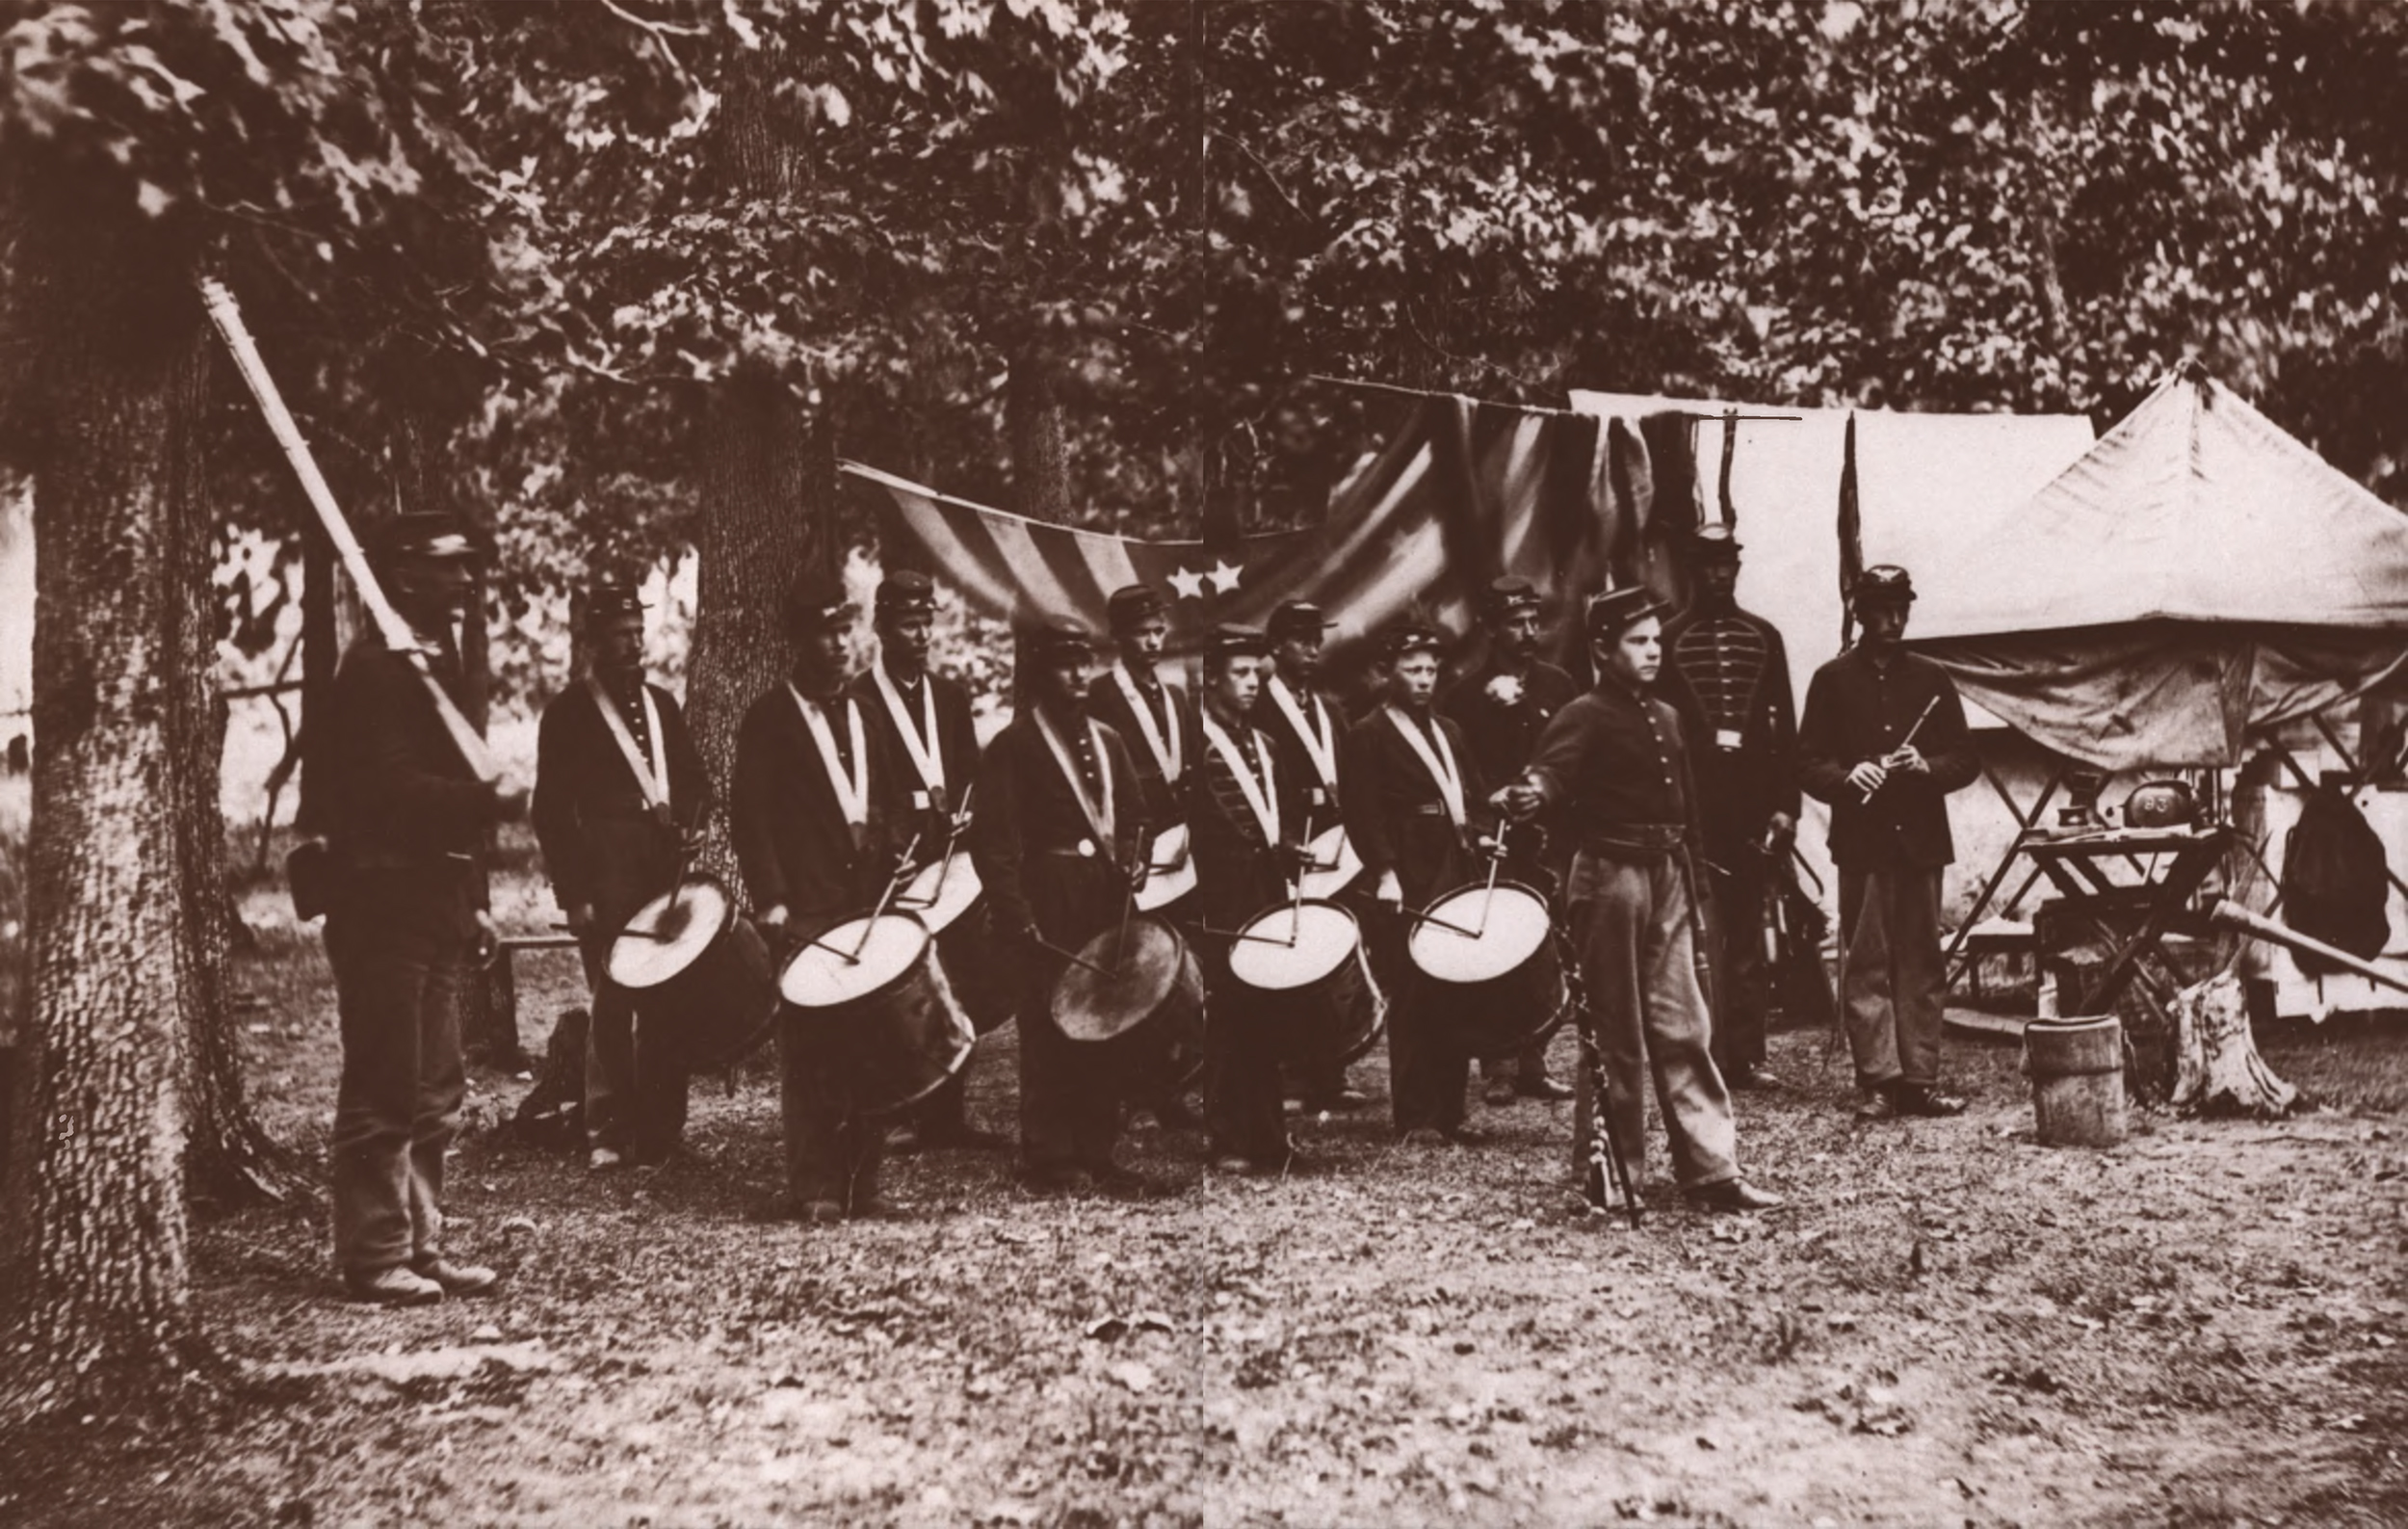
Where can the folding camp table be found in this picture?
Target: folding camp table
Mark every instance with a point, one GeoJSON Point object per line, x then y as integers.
{"type": "Point", "coordinates": [2135, 915]}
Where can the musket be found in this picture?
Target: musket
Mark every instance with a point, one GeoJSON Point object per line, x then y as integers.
{"type": "Point", "coordinates": [227, 315]}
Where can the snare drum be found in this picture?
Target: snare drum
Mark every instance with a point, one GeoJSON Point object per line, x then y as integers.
{"type": "Point", "coordinates": [1311, 954]}
{"type": "Point", "coordinates": [951, 900]}
{"type": "Point", "coordinates": [1492, 950]}
{"type": "Point", "coordinates": [1334, 865]}
{"type": "Point", "coordinates": [1138, 1000]}
{"type": "Point", "coordinates": [698, 972]}
{"type": "Point", "coordinates": [1170, 870]}
{"type": "Point", "coordinates": [864, 992]}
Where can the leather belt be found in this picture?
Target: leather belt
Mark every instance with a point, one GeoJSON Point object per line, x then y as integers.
{"type": "Point", "coordinates": [1649, 840]}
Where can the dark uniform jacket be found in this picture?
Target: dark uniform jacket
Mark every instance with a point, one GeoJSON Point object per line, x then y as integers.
{"type": "Point", "coordinates": [910, 808]}
{"type": "Point", "coordinates": [1171, 708]}
{"type": "Point", "coordinates": [1617, 764]}
{"type": "Point", "coordinates": [1325, 800]}
{"type": "Point", "coordinates": [1239, 873]}
{"type": "Point", "coordinates": [406, 817]}
{"type": "Point", "coordinates": [789, 826]}
{"type": "Point", "coordinates": [1855, 712]}
{"type": "Point", "coordinates": [602, 845]}
{"type": "Point", "coordinates": [1727, 672]}
{"type": "Point", "coordinates": [1396, 815]}
{"type": "Point", "coordinates": [1028, 828]}
{"type": "Point", "coordinates": [1503, 735]}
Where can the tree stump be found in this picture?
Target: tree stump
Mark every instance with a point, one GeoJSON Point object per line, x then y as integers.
{"type": "Point", "coordinates": [2217, 1068]}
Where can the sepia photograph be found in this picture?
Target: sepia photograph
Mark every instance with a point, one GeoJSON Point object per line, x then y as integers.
{"type": "Point", "coordinates": [1196, 764]}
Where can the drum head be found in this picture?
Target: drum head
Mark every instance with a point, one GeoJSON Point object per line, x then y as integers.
{"type": "Point", "coordinates": [1335, 864]}
{"type": "Point", "coordinates": [942, 891]}
{"type": "Point", "coordinates": [669, 933]}
{"type": "Point", "coordinates": [1134, 980]}
{"type": "Point", "coordinates": [1480, 933]}
{"type": "Point", "coordinates": [1170, 870]}
{"type": "Point", "coordinates": [853, 961]}
{"type": "Point", "coordinates": [1293, 946]}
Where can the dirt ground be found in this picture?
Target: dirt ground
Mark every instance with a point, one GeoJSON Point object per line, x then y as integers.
{"type": "Point", "coordinates": [1951, 1325]}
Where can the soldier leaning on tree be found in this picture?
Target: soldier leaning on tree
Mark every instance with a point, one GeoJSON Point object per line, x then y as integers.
{"type": "Point", "coordinates": [406, 911]}
{"type": "Point", "coordinates": [619, 788]}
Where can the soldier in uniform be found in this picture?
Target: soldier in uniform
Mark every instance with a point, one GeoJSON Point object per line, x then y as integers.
{"type": "Point", "coordinates": [1884, 742]}
{"type": "Point", "coordinates": [1308, 735]}
{"type": "Point", "coordinates": [1244, 815]}
{"type": "Point", "coordinates": [805, 814]}
{"type": "Point", "coordinates": [1503, 706]}
{"type": "Point", "coordinates": [1156, 726]}
{"type": "Point", "coordinates": [618, 789]}
{"type": "Point", "coordinates": [406, 831]}
{"type": "Point", "coordinates": [922, 726]}
{"type": "Point", "coordinates": [1059, 827]}
{"type": "Point", "coordinates": [1727, 673]}
{"type": "Point", "coordinates": [1615, 763]}
{"type": "Point", "coordinates": [1410, 798]}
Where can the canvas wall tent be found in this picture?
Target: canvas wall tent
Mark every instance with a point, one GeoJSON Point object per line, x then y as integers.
{"type": "Point", "coordinates": [1927, 484]}
{"type": "Point", "coordinates": [2197, 574]}
{"type": "Point", "coordinates": [2198, 588]}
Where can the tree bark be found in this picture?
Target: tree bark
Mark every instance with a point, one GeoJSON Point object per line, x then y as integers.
{"type": "Point", "coordinates": [92, 1220]}
{"type": "Point", "coordinates": [229, 1156]}
{"type": "Point", "coordinates": [1040, 436]}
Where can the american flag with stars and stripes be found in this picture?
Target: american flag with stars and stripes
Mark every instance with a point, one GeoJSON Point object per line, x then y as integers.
{"type": "Point", "coordinates": [1461, 493]}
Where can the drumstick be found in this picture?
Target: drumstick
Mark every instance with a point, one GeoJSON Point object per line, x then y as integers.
{"type": "Point", "coordinates": [1488, 894]}
{"type": "Point", "coordinates": [1295, 905]}
{"type": "Point", "coordinates": [885, 900]}
{"type": "Point", "coordinates": [1451, 928]}
{"type": "Point", "coordinates": [1240, 934]}
{"type": "Point", "coordinates": [1908, 741]}
{"type": "Point", "coordinates": [1074, 957]}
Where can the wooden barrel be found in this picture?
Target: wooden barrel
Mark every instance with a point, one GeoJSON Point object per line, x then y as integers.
{"type": "Point", "coordinates": [2076, 1070]}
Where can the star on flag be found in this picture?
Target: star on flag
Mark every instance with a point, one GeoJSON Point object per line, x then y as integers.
{"type": "Point", "coordinates": [1189, 583]}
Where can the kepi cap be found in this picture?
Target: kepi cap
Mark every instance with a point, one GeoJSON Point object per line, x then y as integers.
{"type": "Point", "coordinates": [906, 593]}
{"type": "Point", "coordinates": [1223, 643]}
{"type": "Point", "coordinates": [610, 598]}
{"type": "Point", "coordinates": [1509, 595]}
{"type": "Point", "coordinates": [1297, 619]}
{"type": "Point", "coordinates": [816, 604]}
{"type": "Point", "coordinates": [1617, 611]}
{"type": "Point", "coordinates": [1714, 540]}
{"type": "Point", "coordinates": [1131, 604]}
{"type": "Point", "coordinates": [1053, 641]}
{"type": "Point", "coordinates": [1884, 581]}
{"type": "Point", "coordinates": [1413, 636]}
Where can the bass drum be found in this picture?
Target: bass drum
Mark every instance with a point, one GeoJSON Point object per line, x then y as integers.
{"type": "Point", "coordinates": [1309, 957]}
{"type": "Point", "coordinates": [1138, 999]}
{"type": "Point", "coordinates": [698, 972]}
{"type": "Point", "coordinates": [949, 898]}
{"type": "Point", "coordinates": [1492, 949]}
{"type": "Point", "coordinates": [864, 995]}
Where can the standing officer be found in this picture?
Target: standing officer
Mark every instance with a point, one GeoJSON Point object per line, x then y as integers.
{"type": "Point", "coordinates": [1059, 829]}
{"type": "Point", "coordinates": [619, 788]}
{"type": "Point", "coordinates": [1157, 725]}
{"type": "Point", "coordinates": [1728, 675]}
{"type": "Point", "coordinates": [1409, 811]}
{"type": "Point", "coordinates": [1244, 816]}
{"type": "Point", "coordinates": [1884, 742]}
{"type": "Point", "coordinates": [921, 725]}
{"type": "Point", "coordinates": [406, 912]}
{"type": "Point", "coordinates": [1503, 706]}
{"type": "Point", "coordinates": [1615, 763]}
{"type": "Point", "coordinates": [1308, 733]}
{"type": "Point", "coordinates": [804, 815]}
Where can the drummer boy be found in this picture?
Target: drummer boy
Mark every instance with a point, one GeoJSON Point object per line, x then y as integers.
{"type": "Point", "coordinates": [1244, 816]}
{"type": "Point", "coordinates": [617, 785]}
{"type": "Point", "coordinates": [813, 844]}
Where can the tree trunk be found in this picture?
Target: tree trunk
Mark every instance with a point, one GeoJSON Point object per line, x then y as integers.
{"type": "Point", "coordinates": [768, 490]}
{"type": "Point", "coordinates": [1040, 436]}
{"type": "Point", "coordinates": [228, 1157]}
{"type": "Point", "coordinates": [93, 1223]}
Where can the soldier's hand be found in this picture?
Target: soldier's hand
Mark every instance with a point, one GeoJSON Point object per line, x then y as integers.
{"type": "Point", "coordinates": [487, 941]}
{"type": "Point", "coordinates": [1519, 801]}
{"type": "Point", "coordinates": [1391, 891]}
{"type": "Point", "coordinates": [1910, 759]}
{"type": "Point", "coordinates": [1866, 778]}
{"type": "Point", "coordinates": [1781, 832]}
{"type": "Point", "coordinates": [774, 918]}
{"type": "Point", "coordinates": [580, 919]}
